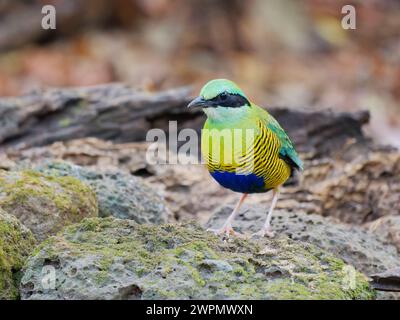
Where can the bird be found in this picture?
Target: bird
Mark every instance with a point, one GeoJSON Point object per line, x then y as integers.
{"type": "Point", "coordinates": [244, 148]}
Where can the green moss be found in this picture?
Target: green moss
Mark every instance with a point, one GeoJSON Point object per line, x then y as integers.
{"type": "Point", "coordinates": [16, 242]}
{"type": "Point", "coordinates": [287, 289]}
{"type": "Point", "coordinates": [105, 263]}
{"type": "Point", "coordinates": [58, 200]}
{"type": "Point", "coordinates": [33, 184]}
{"type": "Point", "coordinates": [101, 277]}
{"type": "Point", "coordinates": [66, 122]}
{"type": "Point", "coordinates": [196, 275]}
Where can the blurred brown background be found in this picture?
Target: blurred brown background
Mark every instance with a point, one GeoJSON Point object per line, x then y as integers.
{"type": "Point", "coordinates": [282, 52]}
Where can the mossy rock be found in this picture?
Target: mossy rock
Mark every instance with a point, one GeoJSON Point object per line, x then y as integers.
{"type": "Point", "coordinates": [43, 203]}
{"type": "Point", "coordinates": [119, 259]}
{"type": "Point", "coordinates": [119, 194]}
{"type": "Point", "coordinates": [16, 243]}
{"type": "Point", "coordinates": [364, 250]}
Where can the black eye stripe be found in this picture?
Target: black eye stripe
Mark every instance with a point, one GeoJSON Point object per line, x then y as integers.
{"type": "Point", "coordinates": [229, 100]}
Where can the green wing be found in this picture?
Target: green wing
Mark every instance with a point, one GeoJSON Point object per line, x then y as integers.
{"type": "Point", "coordinates": [287, 151]}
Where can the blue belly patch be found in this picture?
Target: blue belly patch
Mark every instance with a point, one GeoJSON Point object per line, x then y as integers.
{"type": "Point", "coordinates": [249, 183]}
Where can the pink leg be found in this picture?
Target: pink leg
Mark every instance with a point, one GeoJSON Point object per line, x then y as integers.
{"type": "Point", "coordinates": [227, 226]}
{"type": "Point", "coordinates": [266, 229]}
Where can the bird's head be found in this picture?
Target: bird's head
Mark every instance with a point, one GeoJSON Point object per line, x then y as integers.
{"type": "Point", "coordinates": [222, 99]}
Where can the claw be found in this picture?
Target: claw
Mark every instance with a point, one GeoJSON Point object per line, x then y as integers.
{"type": "Point", "coordinates": [226, 230]}
{"type": "Point", "coordinates": [264, 232]}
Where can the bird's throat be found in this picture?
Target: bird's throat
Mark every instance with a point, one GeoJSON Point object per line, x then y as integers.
{"type": "Point", "coordinates": [228, 116]}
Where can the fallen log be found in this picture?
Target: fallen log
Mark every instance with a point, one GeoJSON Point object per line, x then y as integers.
{"type": "Point", "coordinates": [120, 113]}
{"type": "Point", "coordinates": [111, 112]}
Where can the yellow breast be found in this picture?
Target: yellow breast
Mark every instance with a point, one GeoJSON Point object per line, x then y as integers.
{"type": "Point", "coordinates": [258, 154]}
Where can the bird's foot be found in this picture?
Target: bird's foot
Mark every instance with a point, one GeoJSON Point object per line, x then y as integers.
{"type": "Point", "coordinates": [227, 231]}
{"type": "Point", "coordinates": [264, 232]}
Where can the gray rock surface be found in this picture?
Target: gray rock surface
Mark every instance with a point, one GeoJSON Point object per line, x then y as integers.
{"type": "Point", "coordinates": [366, 251]}
{"type": "Point", "coordinates": [111, 258]}
{"type": "Point", "coordinates": [119, 194]}
{"type": "Point", "coordinates": [387, 227]}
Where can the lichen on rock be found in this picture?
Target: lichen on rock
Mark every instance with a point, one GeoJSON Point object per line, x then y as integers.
{"type": "Point", "coordinates": [43, 203]}
{"type": "Point", "coordinates": [16, 243]}
{"type": "Point", "coordinates": [365, 251]}
{"type": "Point", "coordinates": [119, 259]}
{"type": "Point", "coordinates": [119, 194]}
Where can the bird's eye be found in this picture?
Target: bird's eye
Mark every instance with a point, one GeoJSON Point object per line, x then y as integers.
{"type": "Point", "coordinates": [223, 96]}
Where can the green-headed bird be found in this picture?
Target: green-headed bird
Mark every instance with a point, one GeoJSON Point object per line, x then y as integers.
{"type": "Point", "coordinates": [244, 147]}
